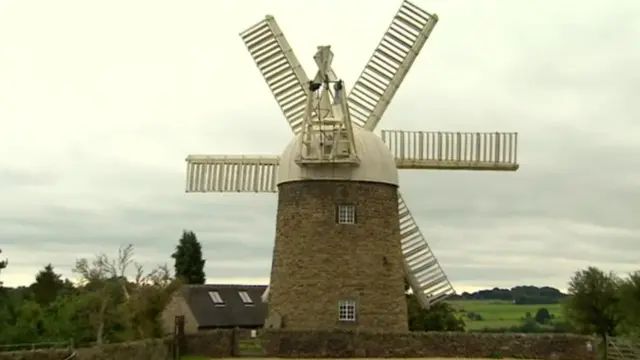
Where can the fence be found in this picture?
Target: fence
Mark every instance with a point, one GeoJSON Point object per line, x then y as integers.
{"type": "Point", "coordinates": [620, 348]}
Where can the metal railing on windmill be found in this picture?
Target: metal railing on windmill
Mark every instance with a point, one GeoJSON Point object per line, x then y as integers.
{"type": "Point", "coordinates": [365, 106]}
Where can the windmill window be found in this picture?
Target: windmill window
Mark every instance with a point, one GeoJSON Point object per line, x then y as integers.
{"type": "Point", "coordinates": [347, 310]}
{"type": "Point", "coordinates": [246, 299]}
{"type": "Point", "coordinates": [216, 298]}
{"type": "Point", "coordinates": [346, 214]}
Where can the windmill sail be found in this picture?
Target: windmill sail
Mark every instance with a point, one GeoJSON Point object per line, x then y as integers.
{"type": "Point", "coordinates": [427, 279]}
{"type": "Point", "coordinates": [280, 68]}
{"type": "Point", "coordinates": [389, 64]}
{"type": "Point", "coordinates": [495, 151]}
{"type": "Point", "coordinates": [227, 173]}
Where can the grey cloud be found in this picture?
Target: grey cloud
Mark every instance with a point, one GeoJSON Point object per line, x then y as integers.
{"type": "Point", "coordinates": [21, 177]}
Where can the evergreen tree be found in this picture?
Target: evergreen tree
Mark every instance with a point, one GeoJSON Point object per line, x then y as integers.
{"type": "Point", "coordinates": [47, 286]}
{"type": "Point", "coordinates": [189, 265]}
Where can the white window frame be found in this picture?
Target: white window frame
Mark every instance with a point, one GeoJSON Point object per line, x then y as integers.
{"type": "Point", "coordinates": [346, 214]}
{"type": "Point", "coordinates": [216, 298]}
{"type": "Point", "coordinates": [347, 310]}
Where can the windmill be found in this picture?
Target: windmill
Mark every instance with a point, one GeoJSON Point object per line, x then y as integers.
{"type": "Point", "coordinates": [345, 238]}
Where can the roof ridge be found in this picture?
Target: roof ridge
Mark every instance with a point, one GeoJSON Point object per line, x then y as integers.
{"type": "Point", "coordinates": [224, 286]}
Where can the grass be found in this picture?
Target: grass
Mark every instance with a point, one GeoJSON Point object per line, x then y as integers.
{"type": "Point", "coordinates": [499, 314]}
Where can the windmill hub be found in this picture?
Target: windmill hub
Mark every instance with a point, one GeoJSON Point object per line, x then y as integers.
{"type": "Point", "coordinates": [376, 163]}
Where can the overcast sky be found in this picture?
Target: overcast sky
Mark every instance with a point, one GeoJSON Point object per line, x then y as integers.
{"type": "Point", "coordinates": [100, 102]}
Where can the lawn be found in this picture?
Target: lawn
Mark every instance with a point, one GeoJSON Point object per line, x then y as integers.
{"type": "Point", "coordinates": [497, 314]}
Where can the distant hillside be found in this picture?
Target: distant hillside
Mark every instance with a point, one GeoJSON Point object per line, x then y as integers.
{"type": "Point", "coordinates": [518, 294]}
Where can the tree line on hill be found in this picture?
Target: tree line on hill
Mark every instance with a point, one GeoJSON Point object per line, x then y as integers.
{"type": "Point", "coordinates": [107, 305]}
{"type": "Point", "coordinates": [518, 295]}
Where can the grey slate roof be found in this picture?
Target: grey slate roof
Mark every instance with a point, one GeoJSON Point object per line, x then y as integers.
{"type": "Point", "coordinates": [234, 313]}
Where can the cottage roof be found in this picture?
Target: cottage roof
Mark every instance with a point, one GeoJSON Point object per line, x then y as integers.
{"type": "Point", "coordinates": [225, 305]}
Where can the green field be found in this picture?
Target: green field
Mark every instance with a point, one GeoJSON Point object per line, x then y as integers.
{"type": "Point", "coordinates": [499, 314]}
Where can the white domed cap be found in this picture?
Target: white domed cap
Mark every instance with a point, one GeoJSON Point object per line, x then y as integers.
{"type": "Point", "coordinates": [376, 163]}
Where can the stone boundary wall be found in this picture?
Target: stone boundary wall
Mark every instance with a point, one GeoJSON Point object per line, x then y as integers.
{"type": "Point", "coordinates": [216, 343]}
{"type": "Point", "coordinates": [146, 349]}
{"type": "Point", "coordinates": [342, 344]}
{"type": "Point", "coordinates": [281, 343]}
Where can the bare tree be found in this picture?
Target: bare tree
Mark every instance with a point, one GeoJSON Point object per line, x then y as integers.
{"type": "Point", "coordinates": [153, 291]}
{"type": "Point", "coordinates": [125, 259]}
{"type": "Point", "coordinates": [104, 276]}
{"type": "Point", "coordinates": [141, 301]}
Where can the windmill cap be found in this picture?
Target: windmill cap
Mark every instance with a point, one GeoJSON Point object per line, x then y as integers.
{"type": "Point", "coordinates": [376, 163]}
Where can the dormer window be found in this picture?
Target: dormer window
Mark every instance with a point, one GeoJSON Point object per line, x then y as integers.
{"type": "Point", "coordinates": [246, 299]}
{"type": "Point", "coordinates": [216, 298]}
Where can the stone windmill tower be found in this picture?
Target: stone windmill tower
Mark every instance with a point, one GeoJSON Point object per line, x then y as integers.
{"type": "Point", "coordinates": [345, 239]}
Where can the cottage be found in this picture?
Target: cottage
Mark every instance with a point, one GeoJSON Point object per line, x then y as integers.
{"type": "Point", "coordinates": [216, 306]}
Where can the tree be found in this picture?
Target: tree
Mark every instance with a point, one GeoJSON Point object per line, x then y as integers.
{"type": "Point", "coordinates": [189, 265]}
{"type": "Point", "coordinates": [105, 287]}
{"type": "Point", "coordinates": [68, 318]}
{"type": "Point", "coordinates": [47, 286]}
{"type": "Point", "coordinates": [542, 316]}
{"type": "Point", "coordinates": [439, 317]}
{"type": "Point", "coordinates": [518, 294]}
{"type": "Point", "coordinates": [529, 325]}
{"type": "Point", "coordinates": [3, 265]}
{"type": "Point", "coordinates": [630, 303]}
{"type": "Point", "coordinates": [151, 294]}
{"type": "Point", "coordinates": [593, 303]}
{"type": "Point", "coordinates": [119, 309]}
{"type": "Point", "coordinates": [29, 325]}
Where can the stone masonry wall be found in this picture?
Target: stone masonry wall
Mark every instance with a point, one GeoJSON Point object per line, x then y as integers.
{"type": "Point", "coordinates": [214, 343]}
{"type": "Point", "coordinates": [341, 344]}
{"type": "Point", "coordinates": [178, 306]}
{"type": "Point", "coordinates": [158, 349]}
{"type": "Point", "coordinates": [318, 262]}
{"type": "Point", "coordinates": [211, 343]}
{"type": "Point", "coordinates": [426, 345]}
